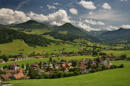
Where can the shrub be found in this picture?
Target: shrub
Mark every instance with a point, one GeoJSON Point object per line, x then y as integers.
{"type": "Point", "coordinates": [121, 66]}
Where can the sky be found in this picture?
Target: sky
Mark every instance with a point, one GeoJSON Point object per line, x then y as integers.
{"type": "Point", "coordinates": [90, 15]}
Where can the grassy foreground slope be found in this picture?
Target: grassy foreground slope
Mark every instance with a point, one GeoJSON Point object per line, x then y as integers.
{"type": "Point", "coordinates": [114, 77]}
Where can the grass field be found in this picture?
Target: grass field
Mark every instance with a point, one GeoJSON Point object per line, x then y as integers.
{"type": "Point", "coordinates": [118, 52]}
{"type": "Point", "coordinates": [114, 77]}
{"type": "Point", "coordinates": [33, 60]}
{"type": "Point", "coordinates": [13, 48]}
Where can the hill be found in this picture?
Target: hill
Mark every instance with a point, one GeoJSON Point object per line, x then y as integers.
{"type": "Point", "coordinates": [118, 36]}
{"type": "Point", "coordinates": [68, 32]}
{"type": "Point", "coordinates": [8, 35]}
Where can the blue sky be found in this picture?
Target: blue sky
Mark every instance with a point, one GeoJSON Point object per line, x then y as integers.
{"type": "Point", "coordinates": [86, 14]}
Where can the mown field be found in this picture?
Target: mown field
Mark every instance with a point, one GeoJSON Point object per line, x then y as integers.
{"type": "Point", "coordinates": [113, 77]}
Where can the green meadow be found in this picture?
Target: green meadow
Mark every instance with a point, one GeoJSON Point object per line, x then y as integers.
{"type": "Point", "coordinates": [15, 47]}
{"type": "Point", "coordinates": [118, 52]}
{"type": "Point", "coordinates": [113, 77]}
{"type": "Point", "coordinates": [33, 60]}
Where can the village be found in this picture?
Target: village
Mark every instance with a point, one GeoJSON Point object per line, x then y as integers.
{"type": "Point", "coordinates": [56, 69]}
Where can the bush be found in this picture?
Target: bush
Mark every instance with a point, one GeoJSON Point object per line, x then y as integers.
{"type": "Point", "coordinates": [113, 66]}
{"type": "Point", "coordinates": [121, 66]}
{"type": "Point", "coordinates": [92, 71]}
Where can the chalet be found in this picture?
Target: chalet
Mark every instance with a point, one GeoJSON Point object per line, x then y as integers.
{"type": "Point", "coordinates": [38, 57]}
{"type": "Point", "coordinates": [2, 61]}
{"type": "Point", "coordinates": [11, 59]}
{"type": "Point", "coordinates": [0, 82]}
{"type": "Point", "coordinates": [83, 68]}
{"type": "Point", "coordinates": [100, 58]}
{"type": "Point", "coordinates": [14, 67]}
{"type": "Point", "coordinates": [46, 65]}
{"type": "Point", "coordinates": [18, 58]}
{"type": "Point", "coordinates": [107, 63]}
{"type": "Point", "coordinates": [13, 75]}
{"type": "Point", "coordinates": [50, 66]}
{"type": "Point", "coordinates": [51, 72]}
{"type": "Point", "coordinates": [1, 69]}
{"type": "Point", "coordinates": [35, 66]}
{"type": "Point", "coordinates": [41, 71]}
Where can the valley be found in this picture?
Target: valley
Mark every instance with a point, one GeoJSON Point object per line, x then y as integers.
{"type": "Point", "coordinates": [32, 44]}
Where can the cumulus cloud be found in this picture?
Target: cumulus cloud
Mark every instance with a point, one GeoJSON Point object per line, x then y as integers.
{"type": "Point", "coordinates": [51, 7]}
{"type": "Point", "coordinates": [92, 22]}
{"type": "Point", "coordinates": [9, 16]}
{"type": "Point", "coordinates": [125, 26]}
{"type": "Point", "coordinates": [87, 4]}
{"type": "Point", "coordinates": [58, 18]}
{"type": "Point", "coordinates": [111, 28]}
{"type": "Point", "coordinates": [38, 17]}
{"type": "Point", "coordinates": [86, 27]}
{"type": "Point", "coordinates": [106, 6]}
{"type": "Point", "coordinates": [73, 11]}
{"type": "Point", "coordinates": [106, 15]}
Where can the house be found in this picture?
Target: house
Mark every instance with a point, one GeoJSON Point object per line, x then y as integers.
{"type": "Point", "coordinates": [14, 67]}
{"type": "Point", "coordinates": [41, 71]}
{"type": "Point", "coordinates": [35, 66]}
{"type": "Point", "coordinates": [13, 75]}
{"type": "Point", "coordinates": [2, 61]}
{"type": "Point", "coordinates": [83, 68]}
{"type": "Point", "coordinates": [38, 57]}
{"type": "Point", "coordinates": [11, 59]}
{"type": "Point", "coordinates": [0, 82]}
{"type": "Point", "coordinates": [100, 58]}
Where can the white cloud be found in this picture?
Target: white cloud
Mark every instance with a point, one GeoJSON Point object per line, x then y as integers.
{"type": "Point", "coordinates": [106, 6]}
{"type": "Point", "coordinates": [125, 26]}
{"type": "Point", "coordinates": [86, 27]}
{"type": "Point", "coordinates": [51, 7]}
{"type": "Point", "coordinates": [9, 16]}
{"type": "Point", "coordinates": [38, 17]}
{"type": "Point", "coordinates": [58, 18]}
{"type": "Point", "coordinates": [92, 22]}
{"type": "Point", "coordinates": [111, 27]}
{"type": "Point", "coordinates": [73, 11]}
{"type": "Point", "coordinates": [105, 15]}
{"type": "Point", "coordinates": [87, 4]}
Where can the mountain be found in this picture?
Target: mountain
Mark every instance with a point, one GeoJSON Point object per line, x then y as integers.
{"type": "Point", "coordinates": [118, 36]}
{"type": "Point", "coordinates": [69, 32]}
{"type": "Point", "coordinates": [31, 24]}
{"type": "Point", "coordinates": [65, 32]}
